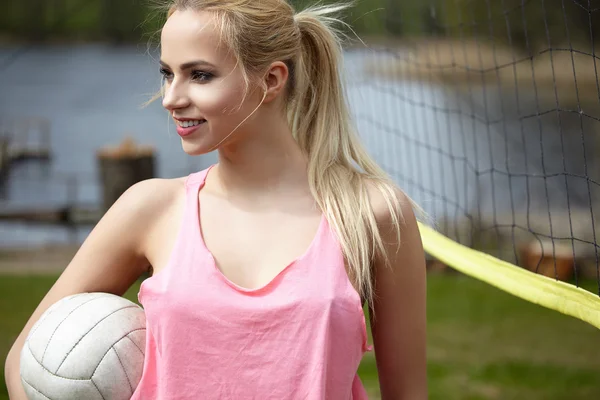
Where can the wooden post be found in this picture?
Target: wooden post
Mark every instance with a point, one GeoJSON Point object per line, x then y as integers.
{"type": "Point", "coordinates": [541, 258]}
{"type": "Point", "coordinates": [4, 158]}
{"type": "Point", "coordinates": [122, 167]}
{"type": "Point", "coordinates": [44, 127]}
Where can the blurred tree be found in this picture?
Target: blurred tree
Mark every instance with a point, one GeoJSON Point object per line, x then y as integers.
{"type": "Point", "coordinates": [527, 25]}
{"type": "Point", "coordinates": [26, 21]}
{"type": "Point", "coordinates": [36, 18]}
{"type": "Point", "coordinates": [8, 17]}
{"type": "Point", "coordinates": [121, 19]}
{"type": "Point", "coordinates": [366, 17]}
{"type": "Point", "coordinates": [381, 17]}
{"type": "Point", "coordinates": [405, 17]}
{"type": "Point", "coordinates": [132, 20]}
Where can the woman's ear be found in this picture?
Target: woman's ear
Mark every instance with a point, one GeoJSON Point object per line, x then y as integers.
{"type": "Point", "coordinates": [275, 80]}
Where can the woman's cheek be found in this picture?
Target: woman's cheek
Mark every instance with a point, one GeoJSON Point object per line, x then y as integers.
{"type": "Point", "coordinates": [217, 101]}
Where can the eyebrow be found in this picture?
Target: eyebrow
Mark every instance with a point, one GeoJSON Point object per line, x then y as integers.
{"type": "Point", "coordinates": [190, 64]}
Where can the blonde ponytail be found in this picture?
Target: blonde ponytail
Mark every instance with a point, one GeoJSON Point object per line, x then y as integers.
{"type": "Point", "coordinates": [340, 170]}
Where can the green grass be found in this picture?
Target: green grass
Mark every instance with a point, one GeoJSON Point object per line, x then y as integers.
{"type": "Point", "coordinates": [482, 343]}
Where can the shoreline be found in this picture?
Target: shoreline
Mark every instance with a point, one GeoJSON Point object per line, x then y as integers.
{"type": "Point", "coordinates": [48, 259]}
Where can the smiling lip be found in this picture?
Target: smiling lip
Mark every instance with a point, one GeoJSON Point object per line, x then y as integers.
{"type": "Point", "coordinates": [181, 131]}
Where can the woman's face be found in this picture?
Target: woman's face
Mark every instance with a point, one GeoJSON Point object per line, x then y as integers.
{"type": "Point", "coordinates": [204, 88]}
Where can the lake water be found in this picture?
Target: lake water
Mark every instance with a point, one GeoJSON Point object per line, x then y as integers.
{"type": "Point", "coordinates": [456, 153]}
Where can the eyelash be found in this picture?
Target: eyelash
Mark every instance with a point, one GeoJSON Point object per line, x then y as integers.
{"type": "Point", "coordinates": [197, 76]}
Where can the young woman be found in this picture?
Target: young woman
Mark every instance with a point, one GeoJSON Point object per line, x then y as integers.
{"type": "Point", "coordinates": [262, 263]}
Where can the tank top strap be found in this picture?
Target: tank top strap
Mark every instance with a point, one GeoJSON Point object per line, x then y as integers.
{"type": "Point", "coordinates": [196, 180]}
{"type": "Point", "coordinates": [193, 184]}
{"type": "Point", "coordinates": [185, 245]}
{"type": "Point", "coordinates": [185, 250]}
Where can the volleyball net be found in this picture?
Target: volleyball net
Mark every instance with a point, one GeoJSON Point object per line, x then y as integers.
{"type": "Point", "coordinates": [490, 121]}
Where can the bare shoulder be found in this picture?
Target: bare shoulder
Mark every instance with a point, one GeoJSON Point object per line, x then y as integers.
{"type": "Point", "coordinates": [120, 242]}
{"type": "Point", "coordinates": [151, 196]}
{"type": "Point", "coordinates": [129, 223]}
{"type": "Point", "coordinates": [382, 197]}
{"type": "Point", "coordinates": [396, 220]}
{"type": "Point", "coordinates": [149, 208]}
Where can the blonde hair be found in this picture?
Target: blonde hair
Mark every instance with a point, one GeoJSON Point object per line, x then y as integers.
{"type": "Point", "coordinates": [339, 169]}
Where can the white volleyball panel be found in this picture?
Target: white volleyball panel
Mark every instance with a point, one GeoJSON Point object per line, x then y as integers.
{"type": "Point", "coordinates": [51, 320]}
{"type": "Point", "coordinates": [83, 327]}
{"type": "Point", "coordinates": [86, 346]}
{"type": "Point", "coordinates": [111, 378]}
{"type": "Point", "coordinates": [97, 341]}
{"type": "Point", "coordinates": [39, 381]}
{"type": "Point", "coordinates": [131, 357]}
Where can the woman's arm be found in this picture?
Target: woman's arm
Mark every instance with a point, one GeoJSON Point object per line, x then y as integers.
{"type": "Point", "coordinates": [399, 322]}
{"type": "Point", "coordinates": [110, 260]}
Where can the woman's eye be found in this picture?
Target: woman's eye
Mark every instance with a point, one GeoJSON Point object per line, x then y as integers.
{"type": "Point", "coordinates": [201, 76]}
{"type": "Point", "coordinates": [196, 76]}
{"type": "Point", "coordinates": [166, 73]}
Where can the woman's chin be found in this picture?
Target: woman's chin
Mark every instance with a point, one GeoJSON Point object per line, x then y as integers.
{"type": "Point", "coordinates": [196, 149]}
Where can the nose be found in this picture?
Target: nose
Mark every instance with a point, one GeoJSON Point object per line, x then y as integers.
{"type": "Point", "coordinates": [175, 96]}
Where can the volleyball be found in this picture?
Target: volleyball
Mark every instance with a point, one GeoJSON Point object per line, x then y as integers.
{"type": "Point", "coordinates": [85, 346]}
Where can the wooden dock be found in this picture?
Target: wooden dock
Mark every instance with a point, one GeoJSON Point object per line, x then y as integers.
{"type": "Point", "coordinates": [16, 142]}
{"type": "Point", "coordinates": [25, 153]}
{"type": "Point", "coordinates": [28, 139]}
{"type": "Point", "coordinates": [128, 160]}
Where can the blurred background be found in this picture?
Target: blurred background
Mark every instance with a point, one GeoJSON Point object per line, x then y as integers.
{"type": "Point", "coordinates": [486, 112]}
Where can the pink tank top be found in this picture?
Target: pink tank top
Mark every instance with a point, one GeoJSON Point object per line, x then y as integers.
{"type": "Point", "coordinates": [301, 336]}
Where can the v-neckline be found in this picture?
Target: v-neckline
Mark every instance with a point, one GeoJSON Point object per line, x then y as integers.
{"type": "Point", "coordinates": [214, 264]}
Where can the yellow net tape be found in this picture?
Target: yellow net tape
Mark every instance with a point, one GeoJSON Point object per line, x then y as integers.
{"type": "Point", "coordinates": [547, 292]}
